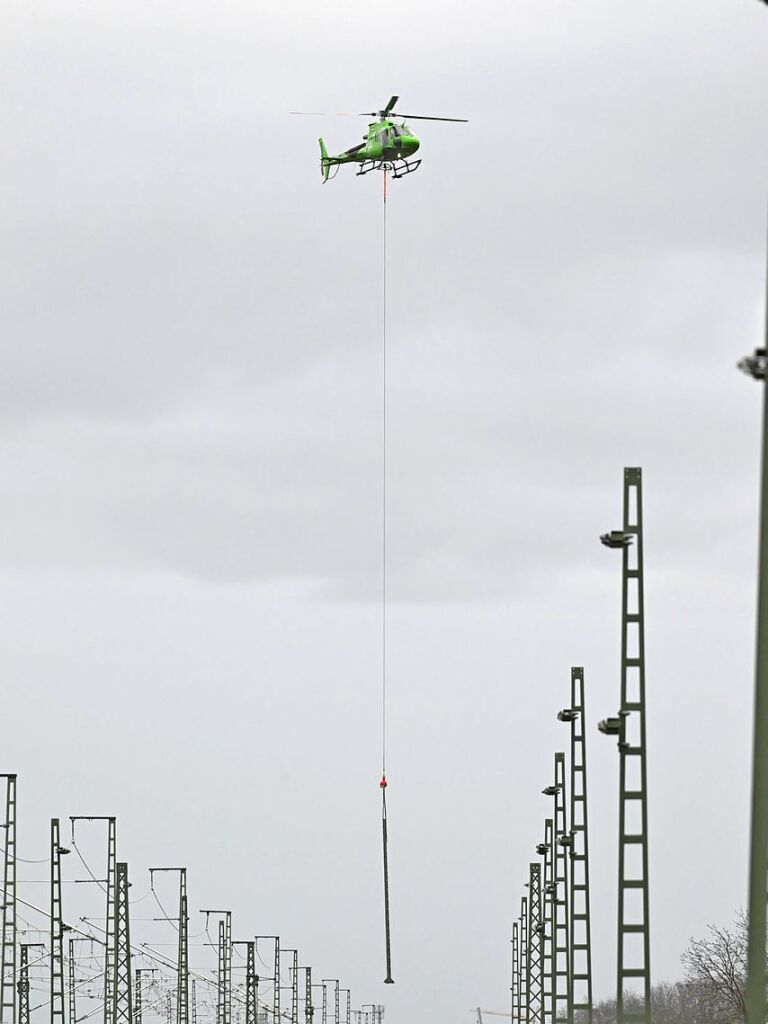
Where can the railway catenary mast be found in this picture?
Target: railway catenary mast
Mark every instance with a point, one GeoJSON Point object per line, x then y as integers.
{"type": "Point", "coordinates": [534, 965]}
{"type": "Point", "coordinates": [123, 988]}
{"type": "Point", "coordinates": [523, 961]}
{"type": "Point", "coordinates": [57, 929]}
{"type": "Point", "coordinates": [111, 893]}
{"type": "Point", "coordinates": [562, 1000]}
{"type": "Point", "coordinates": [633, 955]}
{"type": "Point", "coordinates": [579, 903]}
{"type": "Point", "coordinates": [8, 955]}
{"type": "Point", "coordinates": [515, 986]}
{"type": "Point", "coordinates": [182, 927]}
{"type": "Point", "coordinates": [549, 889]}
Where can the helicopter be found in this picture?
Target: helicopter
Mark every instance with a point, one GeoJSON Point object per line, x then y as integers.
{"type": "Point", "coordinates": [387, 145]}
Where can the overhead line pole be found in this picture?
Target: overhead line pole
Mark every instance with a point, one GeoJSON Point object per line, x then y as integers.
{"type": "Point", "coordinates": [756, 366]}
{"type": "Point", "coordinates": [8, 956]}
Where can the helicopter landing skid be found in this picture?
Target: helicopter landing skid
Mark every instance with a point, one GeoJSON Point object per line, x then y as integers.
{"type": "Point", "coordinates": [399, 168]}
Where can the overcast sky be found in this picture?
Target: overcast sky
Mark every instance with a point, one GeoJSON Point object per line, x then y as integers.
{"type": "Point", "coordinates": [190, 406]}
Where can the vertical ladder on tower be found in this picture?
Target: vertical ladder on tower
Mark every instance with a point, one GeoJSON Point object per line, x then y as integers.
{"type": "Point", "coordinates": [580, 925]}
{"type": "Point", "coordinates": [548, 918]}
{"type": "Point", "coordinates": [192, 1004]}
{"type": "Point", "coordinates": [8, 958]}
{"type": "Point", "coordinates": [534, 966]}
{"type": "Point", "coordinates": [111, 916]}
{"type": "Point", "coordinates": [633, 960]}
{"type": "Point", "coordinates": [57, 929]}
{"type": "Point", "coordinates": [72, 983]}
{"type": "Point", "coordinates": [22, 986]}
{"type": "Point", "coordinates": [276, 991]}
{"type": "Point", "coordinates": [515, 987]}
{"type": "Point", "coordinates": [250, 983]}
{"type": "Point", "coordinates": [122, 991]}
{"type": "Point", "coordinates": [295, 987]}
{"type": "Point", "coordinates": [309, 1010]}
{"type": "Point", "coordinates": [561, 995]}
{"type": "Point", "coordinates": [522, 968]}
{"type": "Point", "coordinates": [182, 975]}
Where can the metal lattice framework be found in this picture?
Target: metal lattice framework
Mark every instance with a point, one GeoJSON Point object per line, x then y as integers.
{"type": "Point", "coordinates": [545, 849]}
{"type": "Point", "coordinates": [579, 904]}
{"type": "Point", "coordinates": [57, 929]}
{"type": "Point", "coordinates": [109, 921]}
{"type": "Point", "coordinates": [22, 985]}
{"type": "Point", "coordinates": [523, 961]}
{"type": "Point", "coordinates": [515, 987]}
{"type": "Point", "coordinates": [224, 982]}
{"type": "Point", "coordinates": [111, 917]}
{"type": "Point", "coordinates": [123, 989]}
{"type": "Point", "coordinates": [561, 993]}
{"type": "Point", "coordinates": [309, 1010]}
{"type": "Point", "coordinates": [72, 984]}
{"type": "Point", "coordinates": [137, 997]}
{"type": "Point", "coordinates": [182, 973]}
{"type": "Point", "coordinates": [534, 965]}
{"type": "Point", "coordinates": [276, 992]}
{"type": "Point", "coordinates": [193, 1003]}
{"type": "Point", "coordinates": [294, 985]}
{"type": "Point", "coordinates": [8, 956]}
{"type": "Point", "coordinates": [250, 983]}
{"type": "Point", "coordinates": [633, 961]}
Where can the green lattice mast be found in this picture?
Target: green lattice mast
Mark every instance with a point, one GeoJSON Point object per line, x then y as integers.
{"type": "Point", "coordinates": [545, 850]}
{"type": "Point", "coordinates": [633, 970]}
{"type": "Point", "coordinates": [580, 924]}
{"type": "Point", "coordinates": [535, 960]}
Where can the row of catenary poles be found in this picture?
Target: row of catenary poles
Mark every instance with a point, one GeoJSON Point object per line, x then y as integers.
{"type": "Point", "coordinates": [123, 985]}
{"type": "Point", "coordinates": [551, 939]}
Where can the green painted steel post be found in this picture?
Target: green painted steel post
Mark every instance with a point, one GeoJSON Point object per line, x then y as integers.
{"type": "Point", "coordinates": [757, 1010]}
{"type": "Point", "coordinates": [123, 987]}
{"type": "Point", "coordinates": [545, 850]}
{"type": "Point", "coordinates": [633, 964]}
{"type": "Point", "coordinates": [8, 956]}
{"type": "Point", "coordinates": [515, 987]}
{"type": "Point", "coordinates": [523, 963]}
{"type": "Point", "coordinates": [23, 985]}
{"type": "Point", "coordinates": [57, 929]}
{"type": "Point", "coordinates": [579, 902]}
{"type": "Point", "coordinates": [534, 1009]}
{"type": "Point", "coordinates": [562, 989]}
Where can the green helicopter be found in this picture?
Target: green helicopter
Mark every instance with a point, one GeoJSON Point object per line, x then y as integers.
{"type": "Point", "coordinates": [387, 145]}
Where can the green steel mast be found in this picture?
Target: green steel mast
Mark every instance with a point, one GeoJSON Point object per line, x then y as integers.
{"type": "Point", "coordinates": [579, 905]}
{"type": "Point", "coordinates": [633, 959]}
{"type": "Point", "coordinates": [561, 998]}
{"type": "Point", "coordinates": [122, 992]}
{"type": "Point", "coordinates": [545, 850]}
{"type": "Point", "coordinates": [8, 957]}
{"type": "Point", "coordinates": [757, 1009]}
{"type": "Point", "coordinates": [534, 965]}
{"type": "Point", "coordinates": [515, 987]}
{"type": "Point", "coordinates": [522, 969]}
{"type": "Point", "coordinates": [57, 928]}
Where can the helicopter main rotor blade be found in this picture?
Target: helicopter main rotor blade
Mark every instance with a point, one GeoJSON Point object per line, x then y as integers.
{"type": "Point", "coordinates": [423, 117]}
{"type": "Point", "coordinates": [323, 113]}
{"type": "Point", "coordinates": [389, 107]}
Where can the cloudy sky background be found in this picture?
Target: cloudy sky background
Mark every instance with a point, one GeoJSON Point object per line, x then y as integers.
{"type": "Point", "coordinates": [190, 406]}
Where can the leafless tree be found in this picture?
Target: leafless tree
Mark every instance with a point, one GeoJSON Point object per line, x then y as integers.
{"type": "Point", "coordinates": [717, 966]}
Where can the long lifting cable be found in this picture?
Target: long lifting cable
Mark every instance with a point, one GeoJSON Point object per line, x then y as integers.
{"type": "Point", "coordinates": [389, 980]}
